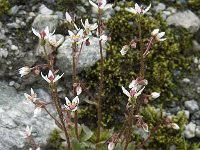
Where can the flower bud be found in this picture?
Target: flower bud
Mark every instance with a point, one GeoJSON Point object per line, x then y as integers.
{"type": "Point", "coordinates": [175, 126]}
{"type": "Point", "coordinates": [155, 95]}
{"type": "Point", "coordinates": [24, 71]}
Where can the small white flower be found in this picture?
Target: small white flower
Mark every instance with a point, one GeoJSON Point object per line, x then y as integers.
{"type": "Point", "coordinates": [145, 127]}
{"type": "Point", "coordinates": [68, 17]}
{"type": "Point", "coordinates": [27, 132]}
{"type": "Point", "coordinates": [138, 9]}
{"type": "Point", "coordinates": [44, 34]}
{"type": "Point", "coordinates": [101, 5]}
{"type": "Point", "coordinates": [158, 36]}
{"type": "Point", "coordinates": [175, 126]}
{"type": "Point", "coordinates": [124, 49]}
{"type": "Point", "coordinates": [37, 111]}
{"type": "Point", "coordinates": [72, 105]}
{"type": "Point", "coordinates": [78, 90]}
{"type": "Point", "coordinates": [78, 38]}
{"type": "Point", "coordinates": [24, 71]}
{"type": "Point", "coordinates": [111, 145]}
{"type": "Point", "coordinates": [103, 38]}
{"type": "Point", "coordinates": [155, 95]}
{"type": "Point", "coordinates": [54, 42]}
{"type": "Point", "coordinates": [51, 78]}
{"type": "Point", "coordinates": [32, 97]}
{"type": "Point", "coordinates": [89, 27]}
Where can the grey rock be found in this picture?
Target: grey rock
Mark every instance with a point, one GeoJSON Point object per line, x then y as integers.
{"type": "Point", "coordinates": [49, 1]}
{"type": "Point", "coordinates": [172, 147]}
{"type": "Point", "coordinates": [3, 53]}
{"type": "Point", "coordinates": [190, 130]}
{"type": "Point", "coordinates": [160, 7]}
{"type": "Point", "coordinates": [196, 46]}
{"type": "Point", "coordinates": [14, 47]}
{"type": "Point", "coordinates": [186, 80]}
{"type": "Point", "coordinates": [167, 13]}
{"type": "Point", "coordinates": [89, 56]}
{"type": "Point", "coordinates": [59, 14]}
{"type": "Point", "coordinates": [197, 122]}
{"type": "Point", "coordinates": [14, 10]}
{"type": "Point", "coordinates": [13, 25]}
{"type": "Point", "coordinates": [41, 21]}
{"type": "Point", "coordinates": [196, 116]}
{"type": "Point", "coordinates": [197, 131]}
{"type": "Point", "coordinates": [195, 60]}
{"type": "Point", "coordinates": [172, 10]}
{"type": "Point", "coordinates": [15, 115]}
{"type": "Point", "coordinates": [44, 10]}
{"type": "Point", "coordinates": [187, 114]}
{"type": "Point", "coordinates": [186, 19]}
{"type": "Point", "coordinates": [81, 9]}
{"type": "Point", "coordinates": [192, 106]}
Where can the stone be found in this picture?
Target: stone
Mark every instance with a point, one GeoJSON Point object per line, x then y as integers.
{"type": "Point", "coordinates": [15, 115]}
{"type": "Point", "coordinates": [89, 56]}
{"type": "Point", "coordinates": [13, 25]}
{"type": "Point", "coordinates": [190, 130]}
{"type": "Point", "coordinates": [195, 60]}
{"type": "Point", "coordinates": [186, 19]}
{"type": "Point", "coordinates": [14, 10]}
{"type": "Point", "coordinates": [197, 131]}
{"type": "Point", "coordinates": [192, 106]}
{"type": "Point", "coordinates": [3, 53]}
{"type": "Point", "coordinates": [41, 21]}
{"type": "Point", "coordinates": [196, 46]}
{"type": "Point", "coordinates": [44, 10]}
{"type": "Point", "coordinates": [187, 114]}
{"type": "Point", "coordinates": [160, 7]}
{"type": "Point", "coordinates": [172, 10]}
{"type": "Point", "coordinates": [14, 47]}
{"type": "Point", "coordinates": [186, 80]}
{"type": "Point", "coordinates": [196, 116]}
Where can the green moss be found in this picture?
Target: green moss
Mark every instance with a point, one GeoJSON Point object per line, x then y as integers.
{"type": "Point", "coordinates": [54, 141]}
{"type": "Point", "coordinates": [164, 63]}
{"type": "Point", "coordinates": [194, 4]}
{"type": "Point", "coordinates": [165, 137]}
{"type": "Point", "coordinates": [4, 7]}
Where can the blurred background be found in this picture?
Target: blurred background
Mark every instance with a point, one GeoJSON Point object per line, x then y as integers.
{"type": "Point", "coordinates": [173, 68]}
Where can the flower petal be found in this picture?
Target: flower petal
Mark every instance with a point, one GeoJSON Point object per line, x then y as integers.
{"type": "Point", "coordinates": [126, 92]}
{"type": "Point", "coordinates": [131, 10]}
{"type": "Point", "coordinates": [37, 111]}
{"type": "Point", "coordinates": [45, 78]}
{"type": "Point", "coordinates": [137, 8]}
{"type": "Point", "coordinates": [108, 6]}
{"type": "Point", "coordinates": [68, 17]}
{"type": "Point", "coordinates": [93, 4]}
{"type": "Point", "coordinates": [161, 34]}
{"type": "Point", "coordinates": [67, 101]}
{"type": "Point", "coordinates": [58, 77]}
{"type": "Point", "coordinates": [147, 9]}
{"type": "Point", "coordinates": [36, 33]}
{"type": "Point", "coordinates": [75, 100]}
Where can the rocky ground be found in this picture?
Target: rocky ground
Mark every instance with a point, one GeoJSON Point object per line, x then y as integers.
{"type": "Point", "coordinates": [19, 47]}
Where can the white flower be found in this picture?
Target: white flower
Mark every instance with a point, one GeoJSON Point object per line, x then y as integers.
{"type": "Point", "coordinates": [78, 38]}
{"type": "Point", "coordinates": [111, 145]}
{"type": "Point", "coordinates": [101, 5]}
{"type": "Point", "coordinates": [54, 42]}
{"type": "Point", "coordinates": [89, 27]}
{"type": "Point", "coordinates": [136, 86]}
{"type": "Point", "coordinates": [27, 132]}
{"type": "Point", "coordinates": [78, 90]}
{"type": "Point", "coordinates": [158, 36]}
{"type": "Point", "coordinates": [138, 9]}
{"type": "Point", "coordinates": [175, 126]}
{"type": "Point", "coordinates": [24, 71]}
{"type": "Point", "coordinates": [124, 49]}
{"type": "Point", "coordinates": [145, 127]}
{"type": "Point", "coordinates": [37, 111]}
{"type": "Point", "coordinates": [103, 38]}
{"type": "Point", "coordinates": [72, 105]}
{"type": "Point", "coordinates": [68, 17]}
{"type": "Point", "coordinates": [51, 78]}
{"type": "Point", "coordinates": [44, 34]}
{"type": "Point", "coordinates": [155, 95]}
{"type": "Point", "coordinates": [32, 97]}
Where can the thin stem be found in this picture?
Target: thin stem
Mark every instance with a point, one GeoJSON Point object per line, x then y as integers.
{"type": "Point", "coordinates": [52, 116]}
{"type": "Point", "coordinates": [74, 91]}
{"type": "Point", "coordinates": [58, 107]}
{"type": "Point", "coordinates": [99, 106]}
{"type": "Point", "coordinates": [139, 147]}
{"type": "Point", "coordinates": [47, 58]}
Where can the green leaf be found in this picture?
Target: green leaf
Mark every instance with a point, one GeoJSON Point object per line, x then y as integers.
{"type": "Point", "coordinates": [76, 145]}
{"type": "Point", "coordinates": [86, 134]}
{"type": "Point", "coordinates": [117, 147]}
